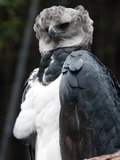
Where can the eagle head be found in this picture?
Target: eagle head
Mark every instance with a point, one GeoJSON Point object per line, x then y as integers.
{"type": "Point", "coordinates": [58, 26]}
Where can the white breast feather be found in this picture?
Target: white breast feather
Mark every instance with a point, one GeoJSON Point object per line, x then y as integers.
{"type": "Point", "coordinates": [40, 113]}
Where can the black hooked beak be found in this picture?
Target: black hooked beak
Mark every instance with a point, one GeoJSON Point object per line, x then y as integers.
{"type": "Point", "coordinates": [54, 32]}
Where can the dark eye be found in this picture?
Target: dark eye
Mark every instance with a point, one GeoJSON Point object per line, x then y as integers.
{"type": "Point", "coordinates": [64, 25]}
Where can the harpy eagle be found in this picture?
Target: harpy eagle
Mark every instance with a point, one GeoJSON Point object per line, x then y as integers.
{"type": "Point", "coordinates": [72, 101]}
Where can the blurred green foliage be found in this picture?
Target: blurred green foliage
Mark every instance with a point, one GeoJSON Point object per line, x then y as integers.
{"type": "Point", "coordinates": [12, 21]}
{"type": "Point", "coordinates": [11, 24]}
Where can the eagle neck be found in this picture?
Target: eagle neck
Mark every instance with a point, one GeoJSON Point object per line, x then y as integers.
{"type": "Point", "coordinates": [51, 63]}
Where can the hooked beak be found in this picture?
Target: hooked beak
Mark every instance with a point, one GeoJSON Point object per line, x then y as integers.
{"type": "Point", "coordinates": [54, 32]}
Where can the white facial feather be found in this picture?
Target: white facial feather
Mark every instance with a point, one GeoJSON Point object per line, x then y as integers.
{"type": "Point", "coordinates": [79, 32]}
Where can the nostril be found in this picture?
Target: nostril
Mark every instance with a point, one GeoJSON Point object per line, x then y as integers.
{"type": "Point", "coordinates": [46, 29]}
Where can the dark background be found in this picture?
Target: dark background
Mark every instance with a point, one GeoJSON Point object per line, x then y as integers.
{"type": "Point", "coordinates": [14, 22]}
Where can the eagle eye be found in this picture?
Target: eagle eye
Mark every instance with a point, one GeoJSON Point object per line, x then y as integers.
{"type": "Point", "coordinates": [64, 25]}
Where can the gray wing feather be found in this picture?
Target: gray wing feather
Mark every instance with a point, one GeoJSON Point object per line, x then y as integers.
{"type": "Point", "coordinates": [90, 108]}
{"type": "Point", "coordinates": [33, 76]}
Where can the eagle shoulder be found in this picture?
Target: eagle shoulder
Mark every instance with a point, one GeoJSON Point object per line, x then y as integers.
{"type": "Point", "coordinates": [90, 108]}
